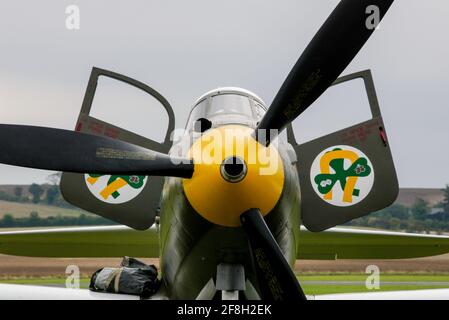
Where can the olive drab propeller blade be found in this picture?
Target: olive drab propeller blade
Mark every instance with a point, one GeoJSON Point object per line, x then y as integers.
{"type": "Point", "coordinates": [69, 151]}
{"type": "Point", "coordinates": [276, 279]}
{"type": "Point", "coordinates": [331, 50]}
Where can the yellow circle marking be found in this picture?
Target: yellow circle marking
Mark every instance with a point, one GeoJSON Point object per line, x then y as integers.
{"type": "Point", "coordinates": [113, 187]}
{"type": "Point", "coordinates": [109, 189]}
{"type": "Point", "coordinates": [222, 202]}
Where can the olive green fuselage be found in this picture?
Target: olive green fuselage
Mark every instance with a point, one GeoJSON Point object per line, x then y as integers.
{"type": "Point", "coordinates": [192, 247]}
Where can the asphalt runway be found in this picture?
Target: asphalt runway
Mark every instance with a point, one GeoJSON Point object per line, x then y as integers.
{"type": "Point", "coordinates": [362, 283]}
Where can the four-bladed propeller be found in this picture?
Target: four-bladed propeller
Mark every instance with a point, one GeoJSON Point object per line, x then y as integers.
{"type": "Point", "coordinates": [328, 54]}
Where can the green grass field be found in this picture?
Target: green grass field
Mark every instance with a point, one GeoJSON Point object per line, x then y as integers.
{"type": "Point", "coordinates": [313, 284]}
{"type": "Point", "coordinates": [316, 284]}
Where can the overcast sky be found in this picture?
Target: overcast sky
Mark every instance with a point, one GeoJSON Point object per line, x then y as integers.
{"type": "Point", "coordinates": [184, 48]}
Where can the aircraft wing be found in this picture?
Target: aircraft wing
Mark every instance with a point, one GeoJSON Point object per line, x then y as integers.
{"type": "Point", "coordinates": [104, 241]}
{"type": "Point", "coordinates": [25, 292]}
{"type": "Point", "coordinates": [431, 294]}
{"type": "Point", "coordinates": [349, 243]}
{"type": "Point", "coordinates": [119, 241]}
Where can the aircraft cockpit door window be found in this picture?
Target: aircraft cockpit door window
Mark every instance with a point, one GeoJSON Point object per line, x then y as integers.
{"type": "Point", "coordinates": [130, 200]}
{"type": "Point", "coordinates": [349, 173]}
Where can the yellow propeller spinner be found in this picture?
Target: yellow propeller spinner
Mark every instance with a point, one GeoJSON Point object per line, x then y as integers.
{"type": "Point", "coordinates": [233, 173]}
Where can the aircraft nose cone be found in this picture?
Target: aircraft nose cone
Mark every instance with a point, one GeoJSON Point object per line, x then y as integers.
{"type": "Point", "coordinates": [233, 169]}
{"type": "Point", "coordinates": [233, 173]}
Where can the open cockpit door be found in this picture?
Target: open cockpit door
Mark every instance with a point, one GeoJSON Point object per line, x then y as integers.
{"type": "Point", "coordinates": [130, 200]}
{"type": "Point", "coordinates": [349, 173]}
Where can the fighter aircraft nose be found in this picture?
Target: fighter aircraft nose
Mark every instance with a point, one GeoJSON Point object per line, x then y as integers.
{"type": "Point", "coordinates": [233, 173]}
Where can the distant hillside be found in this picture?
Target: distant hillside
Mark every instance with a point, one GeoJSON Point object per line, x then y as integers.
{"type": "Point", "coordinates": [9, 189]}
{"type": "Point", "coordinates": [22, 207]}
{"type": "Point", "coordinates": [19, 210]}
{"type": "Point", "coordinates": [408, 196]}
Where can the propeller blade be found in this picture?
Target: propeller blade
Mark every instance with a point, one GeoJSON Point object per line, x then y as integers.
{"type": "Point", "coordinates": [331, 50]}
{"type": "Point", "coordinates": [276, 279]}
{"type": "Point", "coordinates": [69, 151]}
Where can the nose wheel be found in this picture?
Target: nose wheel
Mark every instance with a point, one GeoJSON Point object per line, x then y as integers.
{"type": "Point", "coordinates": [230, 280]}
{"type": "Point", "coordinates": [230, 284]}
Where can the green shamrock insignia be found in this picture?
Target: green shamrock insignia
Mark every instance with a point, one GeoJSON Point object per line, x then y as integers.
{"type": "Point", "coordinates": [326, 181]}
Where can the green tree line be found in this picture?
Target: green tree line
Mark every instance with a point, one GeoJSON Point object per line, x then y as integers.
{"type": "Point", "coordinates": [418, 218]}
{"type": "Point", "coordinates": [34, 220]}
{"type": "Point", "coordinates": [49, 195]}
